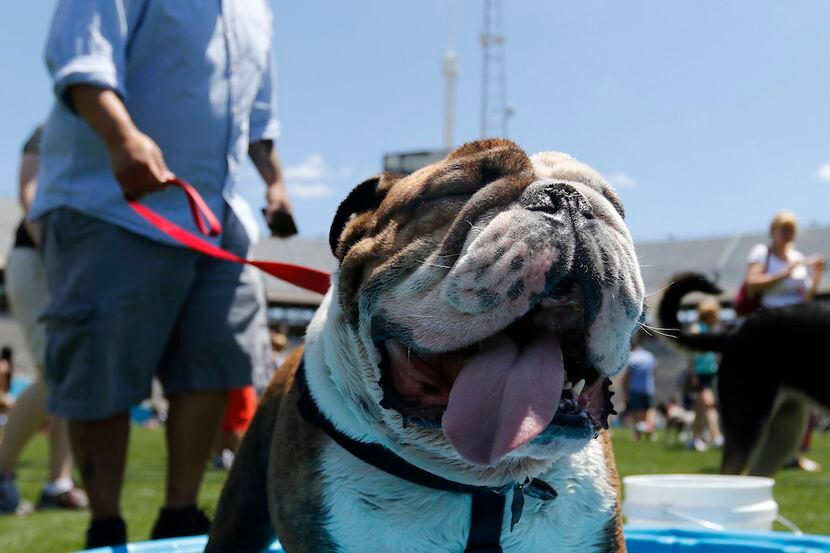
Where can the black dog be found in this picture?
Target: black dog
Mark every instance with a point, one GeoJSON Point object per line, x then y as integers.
{"type": "Point", "coordinates": [770, 364]}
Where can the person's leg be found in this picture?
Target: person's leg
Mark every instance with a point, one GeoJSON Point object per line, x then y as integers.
{"type": "Point", "coordinates": [801, 460]}
{"type": "Point", "coordinates": [60, 491]}
{"type": "Point", "coordinates": [710, 413]}
{"type": "Point", "coordinates": [25, 419]}
{"type": "Point", "coordinates": [191, 423]}
{"type": "Point", "coordinates": [60, 459]}
{"type": "Point", "coordinates": [699, 424]}
{"type": "Point", "coordinates": [115, 297]}
{"type": "Point", "coordinates": [192, 420]}
{"type": "Point", "coordinates": [240, 411]}
{"type": "Point", "coordinates": [221, 335]}
{"type": "Point", "coordinates": [783, 436]}
{"type": "Point", "coordinates": [231, 440]}
{"type": "Point", "coordinates": [27, 296]}
{"type": "Point", "coordinates": [704, 398]}
{"type": "Point", "coordinates": [700, 417]}
{"type": "Point", "coordinates": [641, 422]}
{"type": "Point", "coordinates": [807, 441]}
{"type": "Point", "coordinates": [100, 449]}
{"type": "Point", "coordinates": [650, 420]}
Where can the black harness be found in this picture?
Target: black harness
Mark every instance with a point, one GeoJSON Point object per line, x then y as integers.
{"type": "Point", "coordinates": [488, 503]}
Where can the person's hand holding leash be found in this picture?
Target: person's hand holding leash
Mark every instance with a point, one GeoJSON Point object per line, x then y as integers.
{"type": "Point", "coordinates": [137, 162]}
{"type": "Point", "coordinates": [138, 165]}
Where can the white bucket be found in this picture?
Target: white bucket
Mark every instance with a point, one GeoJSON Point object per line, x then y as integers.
{"type": "Point", "coordinates": [693, 501]}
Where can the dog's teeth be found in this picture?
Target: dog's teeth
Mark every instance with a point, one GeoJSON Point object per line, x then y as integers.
{"type": "Point", "coordinates": [578, 388]}
{"type": "Point", "coordinates": [568, 385]}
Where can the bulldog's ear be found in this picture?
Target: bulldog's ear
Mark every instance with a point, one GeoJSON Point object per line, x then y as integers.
{"type": "Point", "coordinates": [366, 196]}
{"type": "Point", "coordinates": [612, 196]}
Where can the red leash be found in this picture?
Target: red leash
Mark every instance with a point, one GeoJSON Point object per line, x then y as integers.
{"type": "Point", "coordinates": [208, 224]}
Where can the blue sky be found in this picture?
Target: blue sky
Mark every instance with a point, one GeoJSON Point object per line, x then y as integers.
{"type": "Point", "coordinates": [708, 116]}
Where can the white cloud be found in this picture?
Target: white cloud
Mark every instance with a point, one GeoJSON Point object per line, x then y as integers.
{"type": "Point", "coordinates": [621, 180]}
{"type": "Point", "coordinates": [824, 172]}
{"type": "Point", "coordinates": [309, 190]}
{"type": "Point", "coordinates": [311, 168]}
{"type": "Point", "coordinates": [309, 178]}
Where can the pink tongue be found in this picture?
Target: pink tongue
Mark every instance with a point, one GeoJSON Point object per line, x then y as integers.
{"type": "Point", "coordinates": [504, 397]}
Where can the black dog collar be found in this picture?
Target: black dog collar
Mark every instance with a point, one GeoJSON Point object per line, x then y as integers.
{"type": "Point", "coordinates": [488, 502]}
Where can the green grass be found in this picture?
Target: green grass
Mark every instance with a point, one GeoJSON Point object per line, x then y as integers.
{"type": "Point", "coordinates": [60, 532]}
{"type": "Point", "coordinates": [803, 498]}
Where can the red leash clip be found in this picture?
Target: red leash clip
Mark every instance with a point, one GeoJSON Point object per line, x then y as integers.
{"type": "Point", "coordinates": [209, 225]}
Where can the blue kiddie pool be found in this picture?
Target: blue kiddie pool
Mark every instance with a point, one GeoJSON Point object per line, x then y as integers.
{"type": "Point", "coordinates": [639, 540]}
{"type": "Point", "coordinates": [673, 540]}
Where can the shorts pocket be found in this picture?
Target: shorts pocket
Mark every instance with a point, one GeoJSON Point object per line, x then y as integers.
{"type": "Point", "coordinates": [69, 366]}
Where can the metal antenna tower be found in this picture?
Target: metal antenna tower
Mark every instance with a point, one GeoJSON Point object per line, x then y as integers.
{"type": "Point", "coordinates": [494, 109]}
{"type": "Point", "coordinates": [449, 69]}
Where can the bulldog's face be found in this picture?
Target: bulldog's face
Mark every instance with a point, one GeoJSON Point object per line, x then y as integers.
{"type": "Point", "coordinates": [491, 296]}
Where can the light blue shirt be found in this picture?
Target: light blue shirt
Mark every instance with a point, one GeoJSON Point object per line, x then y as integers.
{"type": "Point", "coordinates": [641, 364]}
{"type": "Point", "coordinates": [195, 75]}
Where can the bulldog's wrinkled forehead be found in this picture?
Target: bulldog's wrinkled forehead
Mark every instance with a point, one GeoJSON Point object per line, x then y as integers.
{"type": "Point", "coordinates": [462, 176]}
{"type": "Point", "coordinates": [376, 202]}
{"type": "Point", "coordinates": [373, 227]}
{"type": "Point", "coordinates": [464, 172]}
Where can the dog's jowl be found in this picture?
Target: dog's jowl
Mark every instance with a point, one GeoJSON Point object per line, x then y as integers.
{"type": "Point", "coordinates": [452, 394]}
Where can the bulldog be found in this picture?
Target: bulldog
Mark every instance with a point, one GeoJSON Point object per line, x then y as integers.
{"type": "Point", "coordinates": [479, 307]}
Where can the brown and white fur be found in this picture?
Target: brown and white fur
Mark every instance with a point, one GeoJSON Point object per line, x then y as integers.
{"type": "Point", "coordinates": [434, 257]}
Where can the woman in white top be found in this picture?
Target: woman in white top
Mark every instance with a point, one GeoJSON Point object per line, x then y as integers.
{"type": "Point", "coordinates": [779, 272]}
{"type": "Point", "coordinates": [783, 276]}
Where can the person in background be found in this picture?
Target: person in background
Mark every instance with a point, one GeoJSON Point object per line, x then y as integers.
{"type": "Point", "coordinates": [28, 295]}
{"type": "Point", "coordinates": [276, 352]}
{"type": "Point", "coordinates": [145, 91]}
{"type": "Point", "coordinates": [704, 368]}
{"type": "Point", "coordinates": [279, 347]}
{"type": "Point", "coordinates": [778, 272]}
{"type": "Point", "coordinates": [242, 404]}
{"type": "Point", "coordinates": [638, 384]}
{"type": "Point", "coordinates": [6, 375]}
{"type": "Point", "coordinates": [783, 276]}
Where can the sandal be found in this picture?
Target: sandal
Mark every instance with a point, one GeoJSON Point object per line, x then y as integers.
{"type": "Point", "coordinates": [73, 500]}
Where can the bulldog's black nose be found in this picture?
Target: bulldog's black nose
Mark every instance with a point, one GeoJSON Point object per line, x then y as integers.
{"type": "Point", "coordinates": [554, 197]}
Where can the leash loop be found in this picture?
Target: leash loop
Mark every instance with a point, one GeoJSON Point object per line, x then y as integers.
{"type": "Point", "coordinates": [205, 219]}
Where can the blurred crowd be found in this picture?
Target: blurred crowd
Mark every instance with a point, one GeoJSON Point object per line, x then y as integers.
{"type": "Point", "coordinates": [777, 275]}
